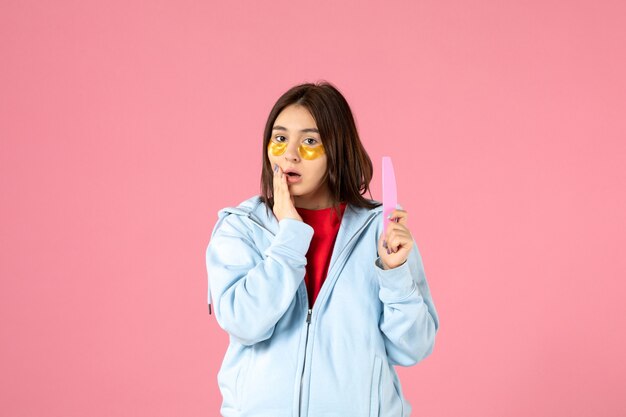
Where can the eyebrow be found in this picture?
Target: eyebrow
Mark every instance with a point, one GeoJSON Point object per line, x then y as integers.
{"type": "Point", "coordinates": [308, 130]}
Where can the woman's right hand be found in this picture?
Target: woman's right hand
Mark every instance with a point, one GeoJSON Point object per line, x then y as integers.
{"type": "Point", "coordinates": [284, 207]}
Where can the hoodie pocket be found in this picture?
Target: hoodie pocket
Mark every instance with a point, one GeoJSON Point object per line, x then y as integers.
{"type": "Point", "coordinates": [375, 387]}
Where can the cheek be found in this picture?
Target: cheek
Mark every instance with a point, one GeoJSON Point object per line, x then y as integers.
{"type": "Point", "coordinates": [320, 166]}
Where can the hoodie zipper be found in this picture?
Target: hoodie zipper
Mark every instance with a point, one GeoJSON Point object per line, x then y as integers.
{"type": "Point", "coordinates": [310, 311]}
{"type": "Point", "coordinates": [306, 340]}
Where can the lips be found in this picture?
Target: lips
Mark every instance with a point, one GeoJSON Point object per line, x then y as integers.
{"type": "Point", "coordinates": [293, 176]}
{"type": "Point", "coordinates": [292, 172]}
{"type": "Point", "coordinates": [292, 179]}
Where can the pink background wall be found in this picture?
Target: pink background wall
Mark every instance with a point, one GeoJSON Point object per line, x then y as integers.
{"type": "Point", "coordinates": [125, 126]}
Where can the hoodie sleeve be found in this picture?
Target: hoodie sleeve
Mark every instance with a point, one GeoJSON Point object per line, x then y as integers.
{"type": "Point", "coordinates": [409, 320]}
{"type": "Point", "coordinates": [252, 290]}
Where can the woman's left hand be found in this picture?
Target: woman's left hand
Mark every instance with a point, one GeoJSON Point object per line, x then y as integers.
{"type": "Point", "coordinates": [395, 245]}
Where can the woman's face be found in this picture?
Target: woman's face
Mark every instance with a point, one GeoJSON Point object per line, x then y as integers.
{"type": "Point", "coordinates": [296, 145]}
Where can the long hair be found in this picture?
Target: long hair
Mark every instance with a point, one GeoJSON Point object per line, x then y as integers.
{"type": "Point", "coordinates": [349, 168]}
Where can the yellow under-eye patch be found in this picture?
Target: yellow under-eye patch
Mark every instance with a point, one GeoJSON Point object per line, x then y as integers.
{"type": "Point", "coordinates": [306, 152]}
{"type": "Point", "coordinates": [311, 152]}
{"type": "Point", "coordinates": [276, 148]}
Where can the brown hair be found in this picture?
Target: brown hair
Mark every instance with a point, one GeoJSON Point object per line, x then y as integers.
{"type": "Point", "coordinates": [349, 168]}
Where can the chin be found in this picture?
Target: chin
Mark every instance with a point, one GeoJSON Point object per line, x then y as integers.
{"type": "Point", "coordinates": [296, 192]}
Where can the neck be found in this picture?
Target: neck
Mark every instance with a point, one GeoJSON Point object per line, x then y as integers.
{"type": "Point", "coordinates": [312, 203]}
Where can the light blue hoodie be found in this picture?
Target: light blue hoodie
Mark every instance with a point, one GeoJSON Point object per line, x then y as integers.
{"type": "Point", "coordinates": [335, 360]}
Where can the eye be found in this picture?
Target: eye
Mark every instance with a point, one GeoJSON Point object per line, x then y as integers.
{"type": "Point", "coordinates": [279, 138]}
{"type": "Point", "coordinates": [312, 141]}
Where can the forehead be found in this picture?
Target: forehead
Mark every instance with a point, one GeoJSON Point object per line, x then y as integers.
{"type": "Point", "coordinates": [295, 117]}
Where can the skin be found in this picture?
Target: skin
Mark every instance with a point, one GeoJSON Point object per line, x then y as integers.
{"type": "Point", "coordinates": [296, 126]}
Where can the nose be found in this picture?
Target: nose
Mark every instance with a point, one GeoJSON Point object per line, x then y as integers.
{"type": "Point", "coordinates": [291, 153]}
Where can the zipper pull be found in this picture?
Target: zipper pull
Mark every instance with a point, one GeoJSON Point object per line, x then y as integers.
{"type": "Point", "coordinates": [308, 316]}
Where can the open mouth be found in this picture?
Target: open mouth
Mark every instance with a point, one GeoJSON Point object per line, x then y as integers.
{"type": "Point", "coordinates": [293, 178]}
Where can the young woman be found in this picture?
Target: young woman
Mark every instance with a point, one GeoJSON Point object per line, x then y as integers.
{"type": "Point", "coordinates": [319, 304]}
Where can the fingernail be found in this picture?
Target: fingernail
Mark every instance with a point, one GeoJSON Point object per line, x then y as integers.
{"type": "Point", "coordinates": [389, 217]}
{"type": "Point", "coordinates": [398, 206]}
{"type": "Point", "coordinates": [275, 167]}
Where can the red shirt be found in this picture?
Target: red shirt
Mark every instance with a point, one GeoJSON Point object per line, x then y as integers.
{"type": "Point", "coordinates": [325, 224]}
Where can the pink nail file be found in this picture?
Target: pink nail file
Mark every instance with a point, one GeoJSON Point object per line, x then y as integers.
{"type": "Point", "coordinates": [390, 194]}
